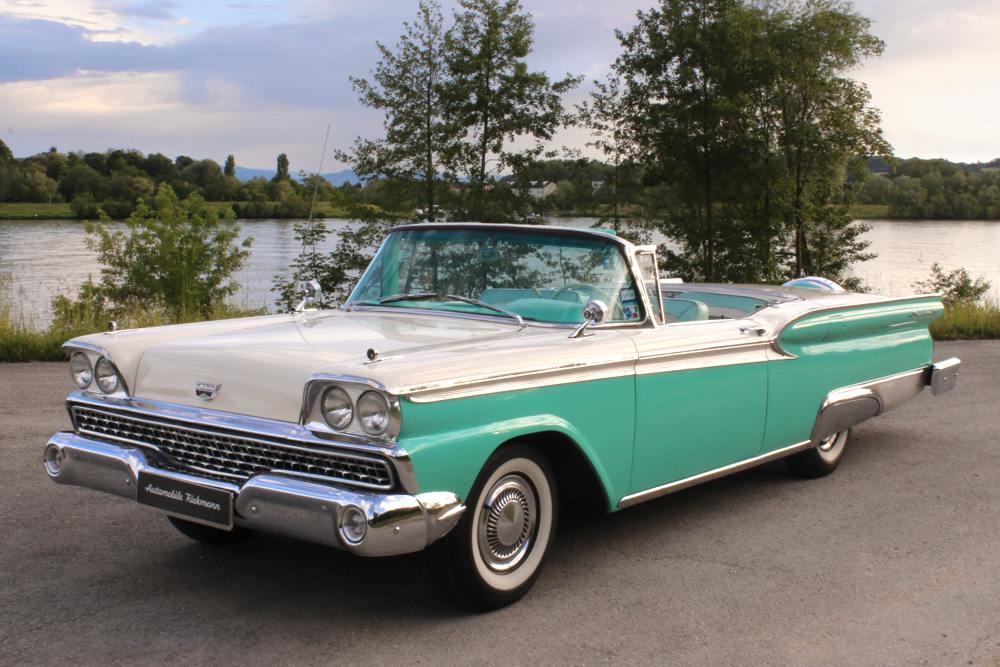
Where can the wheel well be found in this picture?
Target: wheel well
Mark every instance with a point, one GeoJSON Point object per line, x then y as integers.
{"type": "Point", "coordinates": [575, 477]}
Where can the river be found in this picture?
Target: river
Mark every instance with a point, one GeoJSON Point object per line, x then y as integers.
{"type": "Point", "coordinates": [40, 259]}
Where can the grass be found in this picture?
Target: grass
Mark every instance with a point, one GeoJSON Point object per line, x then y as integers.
{"type": "Point", "coordinates": [968, 322]}
{"type": "Point", "coordinates": [30, 211]}
{"type": "Point", "coordinates": [869, 211]}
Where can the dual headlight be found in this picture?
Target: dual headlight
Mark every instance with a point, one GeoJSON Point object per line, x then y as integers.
{"type": "Point", "coordinates": [103, 373]}
{"type": "Point", "coordinates": [372, 410]}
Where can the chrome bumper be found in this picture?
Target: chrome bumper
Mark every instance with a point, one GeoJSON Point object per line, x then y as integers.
{"type": "Point", "coordinates": [397, 523]}
{"type": "Point", "coordinates": [849, 406]}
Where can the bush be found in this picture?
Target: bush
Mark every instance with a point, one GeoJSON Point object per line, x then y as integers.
{"type": "Point", "coordinates": [955, 287]}
{"type": "Point", "coordinates": [177, 257]}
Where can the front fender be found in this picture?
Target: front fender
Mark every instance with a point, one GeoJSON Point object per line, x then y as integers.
{"type": "Point", "coordinates": [450, 441]}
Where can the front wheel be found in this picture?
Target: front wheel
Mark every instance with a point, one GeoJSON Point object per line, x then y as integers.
{"type": "Point", "coordinates": [495, 553]}
{"type": "Point", "coordinates": [821, 460]}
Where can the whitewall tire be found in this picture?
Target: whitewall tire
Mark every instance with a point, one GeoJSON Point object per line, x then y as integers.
{"type": "Point", "coordinates": [496, 552]}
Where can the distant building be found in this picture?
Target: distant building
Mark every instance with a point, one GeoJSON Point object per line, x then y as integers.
{"type": "Point", "coordinates": [596, 185]}
{"type": "Point", "coordinates": [542, 189]}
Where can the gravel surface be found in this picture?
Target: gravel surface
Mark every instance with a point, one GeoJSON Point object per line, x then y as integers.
{"type": "Point", "coordinates": [892, 560]}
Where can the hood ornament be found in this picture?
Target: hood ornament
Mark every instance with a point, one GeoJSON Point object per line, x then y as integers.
{"type": "Point", "coordinates": [206, 391]}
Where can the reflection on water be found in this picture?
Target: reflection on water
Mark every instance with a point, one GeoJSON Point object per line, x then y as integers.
{"type": "Point", "coordinates": [39, 259]}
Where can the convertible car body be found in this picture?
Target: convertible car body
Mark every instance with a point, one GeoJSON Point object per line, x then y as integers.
{"type": "Point", "coordinates": [477, 374]}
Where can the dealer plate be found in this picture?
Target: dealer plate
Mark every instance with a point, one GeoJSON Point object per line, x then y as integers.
{"type": "Point", "coordinates": [187, 500]}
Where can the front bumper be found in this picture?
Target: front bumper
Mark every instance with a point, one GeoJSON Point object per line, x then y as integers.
{"type": "Point", "coordinates": [397, 523]}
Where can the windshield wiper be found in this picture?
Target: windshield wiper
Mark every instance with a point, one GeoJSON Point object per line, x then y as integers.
{"type": "Point", "coordinates": [428, 296]}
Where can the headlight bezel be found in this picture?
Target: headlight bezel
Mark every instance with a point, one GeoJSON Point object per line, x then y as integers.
{"type": "Point", "coordinates": [312, 414]}
{"type": "Point", "coordinates": [94, 355]}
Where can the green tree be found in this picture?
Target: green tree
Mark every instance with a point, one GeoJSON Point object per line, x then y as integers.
{"type": "Point", "coordinates": [827, 120]}
{"type": "Point", "coordinates": [230, 168]}
{"type": "Point", "coordinates": [604, 114]}
{"type": "Point", "coordinates": [177, 254]}
{"type": "Point", "coordinates": [337, 270]}
{"type": "Point", "coordinates": [686, 101]}
{"type": "Point", "coordinates": [752, 133]}
{"type": "Point", "coordinates": [281, 173]}
{"type": "Point", "coordinates": [410, 87]}
{"type": "Point", "coordinates": [496, 99]}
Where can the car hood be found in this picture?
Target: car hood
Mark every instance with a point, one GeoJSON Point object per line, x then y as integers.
{"type": "Point", "coordinates": [261, 364]}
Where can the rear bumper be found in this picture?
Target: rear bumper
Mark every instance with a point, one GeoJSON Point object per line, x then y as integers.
{"type": "Point", "coordinates": [849, 406]}
{"type": "Point", "coordinates": [396, 523]}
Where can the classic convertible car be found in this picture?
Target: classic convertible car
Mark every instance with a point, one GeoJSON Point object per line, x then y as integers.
{"type": "Point", "coordinates": [477, 375]}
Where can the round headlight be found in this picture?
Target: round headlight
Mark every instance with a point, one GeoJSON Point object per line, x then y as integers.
{"type": "Point", "coordinates": [373, 411]}
{"type": "Point", "coordinates": [107, 378]}
{"type": "Point", "coordinates": [337, 408]}
{"type": "Point", "coordinates": [80, 370]}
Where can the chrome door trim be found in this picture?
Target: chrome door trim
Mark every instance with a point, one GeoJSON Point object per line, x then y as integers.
{"type": "Point", "coordinates": [732, 468]}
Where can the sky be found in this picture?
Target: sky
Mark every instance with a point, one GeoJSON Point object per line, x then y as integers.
{"type": "Point", "coordinates": [208, 78]}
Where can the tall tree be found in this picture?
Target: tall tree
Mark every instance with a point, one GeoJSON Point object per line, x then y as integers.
{"type": "Point", "coordinates": [746, 116]}
{"type": "Point", "coordinates": [681, 85]}
{"type": "Point", "coordinates": [409, 85]}
{"type": "Point", "coordinates": [827, 121]}
{"type": "Point", "coordinates": [230, 166]}
{"type": "Point", "coordinates": [496, 98]}
{"type": "Point", "coordinates": [604, 115]}
{"type": "Point", "coordinates": [281, 172]}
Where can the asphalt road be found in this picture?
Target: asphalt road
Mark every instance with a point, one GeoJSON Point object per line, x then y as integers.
{"type": "Point", "coordinates": [892, 560]}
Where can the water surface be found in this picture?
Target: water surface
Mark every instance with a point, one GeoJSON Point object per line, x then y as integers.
{"type": "Point", "coordinates": [40, 259]}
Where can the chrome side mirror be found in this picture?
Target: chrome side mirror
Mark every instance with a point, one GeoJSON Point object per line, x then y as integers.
{"type": "Point", "coordinates": [595, 311]}
{"type": "Point", "coordinates": [311, 291]}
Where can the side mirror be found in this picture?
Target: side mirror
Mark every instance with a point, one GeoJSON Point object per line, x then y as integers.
{"type": "Point", "coordinates": [311, 291]}
{"type": "Point", "coordinates": [595, 311]}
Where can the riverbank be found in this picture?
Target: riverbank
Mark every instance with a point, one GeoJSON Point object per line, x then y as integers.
{"type": "Point", "coordinates": [27, 211]}
{"type": "Point", "coordinates": [324, 209]}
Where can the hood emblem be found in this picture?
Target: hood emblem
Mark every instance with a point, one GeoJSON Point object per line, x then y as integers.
{"type": "Point", "coordinates": [205, 390]}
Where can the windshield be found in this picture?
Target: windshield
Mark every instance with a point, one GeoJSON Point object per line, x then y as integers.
{"type": "Point", "coordinates": [539, 276]}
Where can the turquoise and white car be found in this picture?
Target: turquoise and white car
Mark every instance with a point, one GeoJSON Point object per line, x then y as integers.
{"type": "Point", "coordinates": [477, 376]}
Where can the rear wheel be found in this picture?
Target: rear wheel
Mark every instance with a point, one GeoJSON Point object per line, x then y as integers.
{"type": "Point", "coordinates": [821, 460]}
{"type": "Point", "coordinates": [495, 553]}
{"type": "Point", "coordinates": [208, 535]}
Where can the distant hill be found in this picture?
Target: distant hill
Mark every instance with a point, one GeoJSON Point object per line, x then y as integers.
{"type": "Point", "coordinates": [336, 178]}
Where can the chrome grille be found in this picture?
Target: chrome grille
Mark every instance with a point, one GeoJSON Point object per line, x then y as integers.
{"type": "Point", "coordinates": [230, 454]}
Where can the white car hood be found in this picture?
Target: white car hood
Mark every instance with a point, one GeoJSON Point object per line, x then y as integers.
{"type": "Point", "coordinates": [261, 367]}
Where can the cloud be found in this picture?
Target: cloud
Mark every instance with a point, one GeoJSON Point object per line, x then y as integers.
{"type": "Point", "coordinates": [37, 49]}
{"type": "Point", "coordinates": [254, 78]}
{"type": "Point", "coordinates": [156, 10]}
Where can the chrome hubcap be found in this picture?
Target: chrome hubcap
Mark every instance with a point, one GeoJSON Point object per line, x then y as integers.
{"type": "Point", "coordinates": [507, 523]}
{"type": "Point", "coordinates": [830, 447]}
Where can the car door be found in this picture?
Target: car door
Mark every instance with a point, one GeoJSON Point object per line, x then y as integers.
{"type": "Point", "coordinates": [701, 397]}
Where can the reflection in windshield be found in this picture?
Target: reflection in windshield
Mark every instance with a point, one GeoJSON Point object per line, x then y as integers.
{"type": "Point", "coordinates": [545, 277]}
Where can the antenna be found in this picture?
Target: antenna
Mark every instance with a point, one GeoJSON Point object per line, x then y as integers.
{"type": "Point", "coordinates": [319, 174]}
